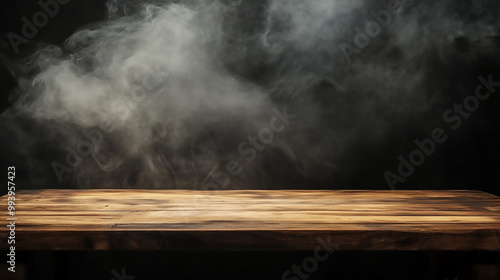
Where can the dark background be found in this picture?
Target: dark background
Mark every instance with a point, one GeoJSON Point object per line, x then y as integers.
{"type": "Point", "coordinates": [469, 159]}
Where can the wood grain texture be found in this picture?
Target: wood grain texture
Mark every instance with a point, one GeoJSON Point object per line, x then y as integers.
{"type": "Point", "coordinates": [255, 220]}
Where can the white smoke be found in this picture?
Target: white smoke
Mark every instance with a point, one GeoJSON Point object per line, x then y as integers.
{"type": "Point", "coordinates": [172, 89]}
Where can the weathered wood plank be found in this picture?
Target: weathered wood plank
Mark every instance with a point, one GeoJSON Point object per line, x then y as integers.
{"type": "Point", "coordinates": [102, 219]}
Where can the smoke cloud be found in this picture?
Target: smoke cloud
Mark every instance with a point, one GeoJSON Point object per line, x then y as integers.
{"type": "Point", "coordinates": [162, 94]}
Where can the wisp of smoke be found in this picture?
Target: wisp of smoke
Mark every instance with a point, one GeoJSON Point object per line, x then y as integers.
{"type": "Point", "coordinates": [162, 94]}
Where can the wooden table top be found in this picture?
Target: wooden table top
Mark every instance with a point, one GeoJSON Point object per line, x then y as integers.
{"type": "Point", "coordinates": [254, 220]}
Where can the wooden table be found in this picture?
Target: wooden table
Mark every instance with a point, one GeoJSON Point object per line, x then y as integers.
{"type": "Point", "coordinates": [255, 220]}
